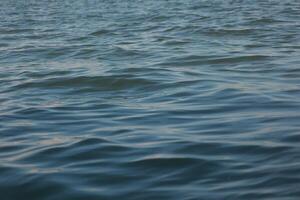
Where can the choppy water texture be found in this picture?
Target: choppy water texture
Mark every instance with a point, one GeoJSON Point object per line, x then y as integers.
{"type": "Point", "coordinates": [145, 100]}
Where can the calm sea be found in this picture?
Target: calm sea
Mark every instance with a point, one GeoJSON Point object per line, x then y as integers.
{"type": "Point", "coordinates": [149, 99]}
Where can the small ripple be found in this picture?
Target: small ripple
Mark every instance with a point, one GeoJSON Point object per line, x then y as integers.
{"type": "Point", "coordinates": [202, 60]}
{"type": "Point", "coordinates": [110, 83]}
{"type": "Point", "coordinates": [15, 31]}
{"type": "Point", "coordinates": [102, 32]}
{"type": "Point", "coordinates": [230, 32]}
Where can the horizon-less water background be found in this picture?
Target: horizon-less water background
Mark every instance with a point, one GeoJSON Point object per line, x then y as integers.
{"type": "Point", "coordinates": [143, 100]}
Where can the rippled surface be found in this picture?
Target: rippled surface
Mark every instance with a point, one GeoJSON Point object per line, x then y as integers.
{"type": "Point", "coordinates": [130, 99]}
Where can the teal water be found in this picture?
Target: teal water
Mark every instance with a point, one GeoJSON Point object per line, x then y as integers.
{"type": "Point", "coordinates": [145, 100]}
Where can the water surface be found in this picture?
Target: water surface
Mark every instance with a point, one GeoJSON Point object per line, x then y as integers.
{"type": "Point", "coordinates": [138, 100]}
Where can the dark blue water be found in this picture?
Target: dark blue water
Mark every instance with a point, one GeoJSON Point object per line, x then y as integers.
{"type": "Point", "coordinates": [146, 100]}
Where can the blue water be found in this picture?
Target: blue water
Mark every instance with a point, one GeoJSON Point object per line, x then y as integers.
{"type": "Point", "coordinates": [149, 100]}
